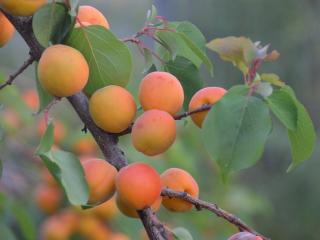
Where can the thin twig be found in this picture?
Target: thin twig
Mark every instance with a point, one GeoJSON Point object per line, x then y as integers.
{"type": "Point", "coordinates": [13, 76]}
{"type": "Point", "coordinates": [203, 108]}
{"type": "Point", "coordinates": [200, 204]}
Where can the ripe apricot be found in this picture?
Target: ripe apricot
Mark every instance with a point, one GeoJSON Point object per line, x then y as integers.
{"type": "Point", "coordinates": [208, 95]}
{"type": "Point", "coordinates": [47, 198]}
{"type": "Point", "coordinates": [48, 178]}
{"type": "Point", "coordinates": [153, 132]}
{"type": "Point", "coordinates": [105, 211]}
{"type": "Point", "coordinates": [92, 228]}
{"type": "Point", "coordinates": [6, 31]}
{"type": "Point", "coordinates": [30, 97]}
{"type": "Point", "coordinates": [138, 185]}
{"type": "Point", "coordinates": [55, 228]}
{"type": "Point", "coordinates": [129, 211]}
{"type": "Point", "coordinates": [63, 70]}
{"type": "Point", "coordinates": [88, 15]}
{"type": "Point", "coordinates": [119, 236]}
{"type": "Point", "coordinates": [162, 91]}
{"type": "Point", "coordinates": [59, 131]}
{"type": "Point", "coordinates": [22, 7]}
{"type": "Point", "coordinates": [85, 146]}
{"type": "Point", "coordinates": [179, 180]}
{"type": "Point", "coordinates": [100, 176]}
{"type": "Point", "coordinates": [112, 108]}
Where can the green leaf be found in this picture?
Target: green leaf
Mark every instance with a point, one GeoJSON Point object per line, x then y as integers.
{"type": "Point", "coordinates": [44, 97]}
{"type": "Point", "coordinates": [240, 51]}
{"type": "Point", "coordinates": [74, 5]}
{"type": "Point", "coordinates": [51, 24]}
{"type": "Point", "coordinates": [109, 58]}
{"type": "Point", "coordinates": [283, 105]}
{"type": "Point", "coordinates": [6, 233]}
{"type": "Point", "coordinates": [272, 78]}
{"type": "Point", "coordinates": [180, 233]}
{"type": "Point", "coordinates": [47, 140]}
{"type": "Point", "coordinates": [188, 75]}
{"type": "Point", "coordinates": [303, 139]}
{"type": "Point", "coordinates": [170, 41]}
{"type": "Point", "coordinates": [66, 169]}
{"type": "Point", "coordinates": [151, 15]}
{"type": "Point", "coordinates": [192, 32]}
{"type": "Point", "coordinates": [24, 221]}
{"type": "Point", "coordinates": [148, 59]}
{"type": "Point", "coordinates": [236, 129]}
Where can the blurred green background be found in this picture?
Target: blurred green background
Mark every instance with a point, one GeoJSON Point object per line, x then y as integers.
{"type": "Point", "coordinates": [280, 205]}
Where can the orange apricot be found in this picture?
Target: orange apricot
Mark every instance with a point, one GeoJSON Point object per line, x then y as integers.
{"type": "Point", "coordinates": [47, 198]}
{"type": "Point", "coordinates": [30, 97]}
{"type": "Point", "coordinates": [119, 236]}
{"type": "Point", "coordinates": [58, 132]}
{"type": "Point", "coordinates": [85, 146]}
{"type": "Point", "coordinates": [153, 132]}
{"type": "Point", "coordinates": [22, 7]}
{"type": "Point", "coordinates": [100, 176]}
{"type": "Point", "coordinates": [107, 210]}
{"type": "Point", "coordinates": [92, 228]}
{"type": "Point", "coordinates": [138, 185]}
{"type": "Point", "coordinates": [132, 212]}
{"type": "Point", "coordinates": [88, 15]}
{"type": "Point", "coordinates": [63, 71]}
{"type": "Point", "coordinates": [6, 31]}
{"type": "Point", "coordinates": [112, 108]}
{"type": "Point", "coordinates": [179, 180]}
{"type": "Point", "coordinates": [208, 95]}
{"type": "Point", "coordinates": [162, 91]}
{"type": "Point", "coordinates": [48, 178]}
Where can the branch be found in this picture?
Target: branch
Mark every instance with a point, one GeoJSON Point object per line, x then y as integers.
{"type": "Point", "coordinates": [203, 108]}
{"type": "Point", "coordinates": [212, 207]}
{"type": "Point", "coordinates": [107, 142]}
{"type": "Point", "coordinates": [13, 76]}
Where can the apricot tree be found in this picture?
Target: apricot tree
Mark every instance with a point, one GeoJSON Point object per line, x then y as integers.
{"type": "Point", "coordinates": [79, 58]}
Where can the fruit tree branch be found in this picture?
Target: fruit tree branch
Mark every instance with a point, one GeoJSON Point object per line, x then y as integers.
{"type": "Point", "coordinates": [107, 142]}
{"type": "Point", "coordinates": [203, 108]}
{"type": "Point", "coordinates": [200, 204]}
{"type": "Point", "coordinates": [13, 76]}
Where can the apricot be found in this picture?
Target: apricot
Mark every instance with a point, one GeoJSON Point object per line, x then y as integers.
{"type": "Point", "coordinates": [129, 211]}
{"type": "Point", "coordinates": [178, 180]}
{"type": "Point", "coordinates": [85, 146]}
{"type": "Point", "coordinates": [208, 95]}
{"type": "Point", "coordinates": [105, 211]}
{"type": "Point", "coordinates": [55, 229]}
{"type": "Point", "coordinates": [47, 198]}
{"type": "Point", "coordinates": [59, 131]}
{"type": "Point", "coordinates": [22, 7]}
{"type": "Point", "coordinates": [6, 31]}
{"type": "Point", "coordinates": [93, 229]}
{"type": "Point", "coordinates": [112, 108]}
{"type": "Point", "coordinates": [100, 176]}
{"type": "Point", "coordinates": [30, 97]}
{"type": "Point", "coordinates": [244, 236]}
{"type": "Point", "coordinates": [63, 71]}
{"type": "Point", "coordinates": [88, 15]}
{"type": "Point", "coordinates": [162, 91]}
{"type": "Point", "coordinates": [48, 178]}
{"type": "Point", "coordinates": [119, 236]}
{"type": "Point", "coordinates": [138, 185]}
{"type": "Point", "coordinates": [153, 132]}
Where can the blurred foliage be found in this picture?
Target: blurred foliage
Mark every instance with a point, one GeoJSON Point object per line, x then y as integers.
{"type": "Point", "coordinates": [280, 205]}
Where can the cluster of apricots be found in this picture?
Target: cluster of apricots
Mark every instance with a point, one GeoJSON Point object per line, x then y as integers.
{"type": "Point", "coordinates": [62, 224]}
{"type": "Point", "coordinates": [161, 97]}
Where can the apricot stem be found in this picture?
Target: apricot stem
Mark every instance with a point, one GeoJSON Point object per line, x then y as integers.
{"type": "Point", "coordinates": [212, 207]}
